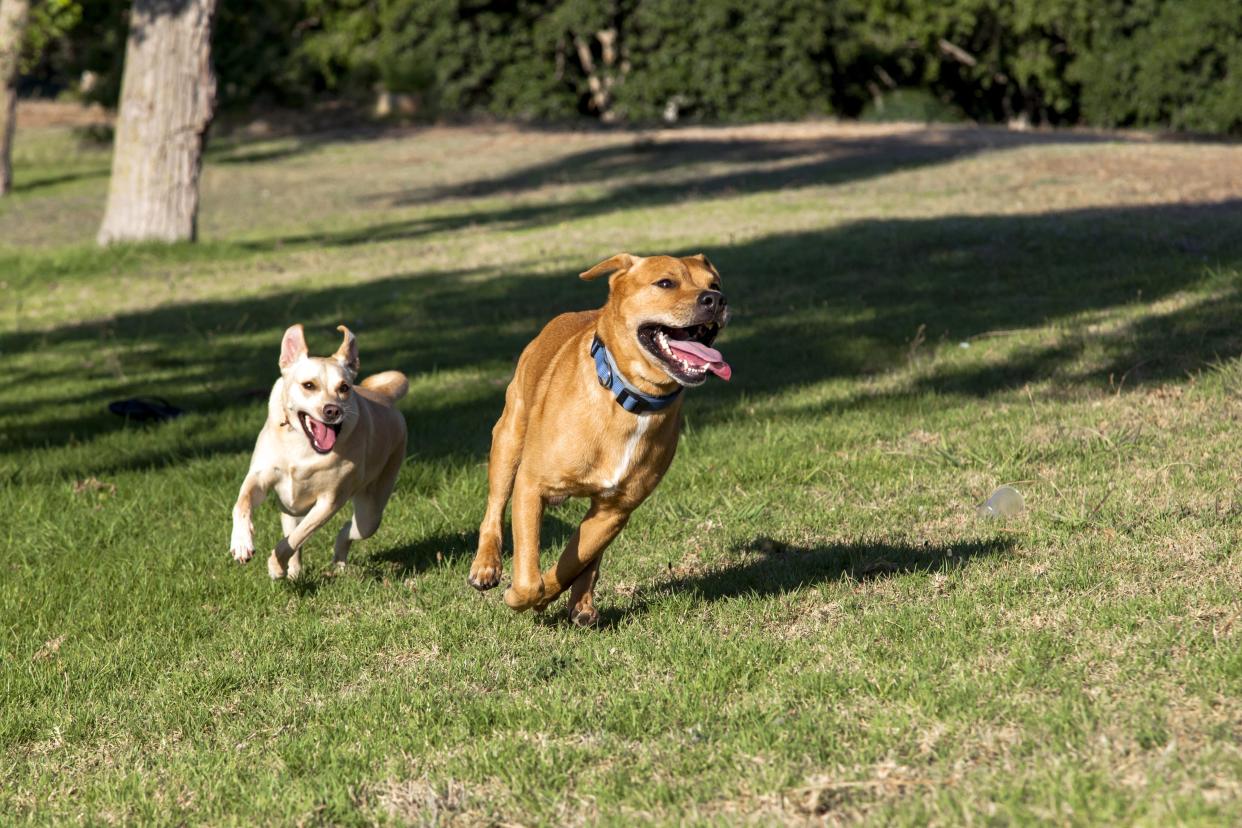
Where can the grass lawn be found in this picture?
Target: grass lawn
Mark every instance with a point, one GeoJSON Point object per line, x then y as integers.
{"type": "Point", "coordinates": [806, 622]}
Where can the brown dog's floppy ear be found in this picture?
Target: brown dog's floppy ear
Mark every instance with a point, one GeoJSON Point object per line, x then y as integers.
{"type": "Point", "coordinates": [617, 264]}
{"type": "Point", "coordinates": [347, 354]}
{"type": "Point", "coordinates": [702, 257]}
{"type": "Point", "coordinates": [292, 346]}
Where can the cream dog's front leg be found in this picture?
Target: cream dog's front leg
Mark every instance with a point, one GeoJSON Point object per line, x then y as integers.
{"type": "Point", "coordinates": [320, 513]}
{"type": "Point", "coordinates": [253, 492]}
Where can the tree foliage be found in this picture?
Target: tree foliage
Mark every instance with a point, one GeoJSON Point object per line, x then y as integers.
{"type": "Point", "coordinates": [1165, 63]}
{"type": "Point", "coordinates": [1174, 63]}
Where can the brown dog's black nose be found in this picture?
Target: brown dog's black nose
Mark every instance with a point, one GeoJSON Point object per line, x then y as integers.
{"type": "Point", "coordinates": [331, 413]}
{"type": "Point", "coordinates": [712, 299]}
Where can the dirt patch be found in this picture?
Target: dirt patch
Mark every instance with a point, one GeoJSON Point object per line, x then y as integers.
{"type": "Point", "coordinates": [37, 114]}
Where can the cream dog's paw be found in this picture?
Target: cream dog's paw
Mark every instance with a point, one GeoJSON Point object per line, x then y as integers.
{"type": "Point", "coordinates": [275, 568]}
{"type": "Point", "coordinates": [241, 547]}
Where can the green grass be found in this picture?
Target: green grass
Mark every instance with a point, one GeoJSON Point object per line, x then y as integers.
{"type": "Point", "coordinates": [806, 621]}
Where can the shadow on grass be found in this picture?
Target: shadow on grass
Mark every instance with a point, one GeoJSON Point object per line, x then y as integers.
{"type": "Point", "coordinates": [775, 568]}
{"type": "Point", "coordinates": [25, 184]}
{"type": "Point", "coordinates": [646, 173]}
{"type": "Point", "coordinates": [644, 169]}
{"type": "Point", "coordinates": [840, 302]}
{"type": "Point", "coordinates": [449, 547]}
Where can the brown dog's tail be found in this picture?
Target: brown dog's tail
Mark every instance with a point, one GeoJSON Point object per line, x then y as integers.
{"type": "Point", "coordinates": [389, 385]}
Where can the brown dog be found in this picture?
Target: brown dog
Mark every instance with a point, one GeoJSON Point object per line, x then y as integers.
{"type": "Point", "coordinates": [326, 441]}
{"type": "Point", "coordinates": [594, 410]}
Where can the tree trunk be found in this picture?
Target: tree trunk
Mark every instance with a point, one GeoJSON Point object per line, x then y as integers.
{"type": "Point", "coordinates": [167, 95]}
{"type": "Point", "coordinates": [13, 16]}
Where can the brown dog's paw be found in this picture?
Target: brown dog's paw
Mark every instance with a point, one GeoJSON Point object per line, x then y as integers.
{"type": "Point", "coordinates": [583, 617]}
{"type": "Point", "coordinates": [484, 578]}
{"type": "Point", "coordinates": [486, 567]}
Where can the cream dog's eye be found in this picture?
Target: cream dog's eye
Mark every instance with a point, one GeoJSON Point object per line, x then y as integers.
{"type": "Point", "coordinates": [308, 385]}
{"type": "Point", "coordinates": [343, 388]}
{"type": "Point", "coordinates": [666, 283]}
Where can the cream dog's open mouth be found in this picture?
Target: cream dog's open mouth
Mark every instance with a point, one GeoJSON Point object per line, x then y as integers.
{"type": "Point", "coordinates": [685, 353]}
{"type": "Point", "coordinates": [322, 435]}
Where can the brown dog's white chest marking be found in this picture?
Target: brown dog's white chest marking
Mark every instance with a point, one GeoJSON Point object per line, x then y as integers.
{"type": "Point", "coordinates": [627, 456]}
{"type": "Point", "coordinates": [658, 325]}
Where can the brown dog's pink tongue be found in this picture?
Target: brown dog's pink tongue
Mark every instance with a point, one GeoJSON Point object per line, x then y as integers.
{"type": "Point", "coordinates": [325, 438]}
{"type": "Point", "coordinates": [700, 354]}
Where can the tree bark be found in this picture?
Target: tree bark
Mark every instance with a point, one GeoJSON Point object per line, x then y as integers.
{"type": "Point", "coordinates": [13, 17]}
{"type": "Point", "coordinates": [168, 93]}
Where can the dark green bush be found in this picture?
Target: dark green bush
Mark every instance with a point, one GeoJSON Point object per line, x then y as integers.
{"type": "Point", "coordinates": [1165, 63]}
{"type": "Point", "coordinates": [726, 60]}
{"type": "Point", "coordinates": [995, 60]}
{"type": "Point", "coordinates": [910, 105]}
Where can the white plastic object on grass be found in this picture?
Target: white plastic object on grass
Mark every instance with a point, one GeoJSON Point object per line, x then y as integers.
{"type": "Point", "coordinates": [1004, 502]}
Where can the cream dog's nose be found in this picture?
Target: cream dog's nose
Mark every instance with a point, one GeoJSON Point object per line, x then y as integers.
{"type": "Point", "coordinates": [331, 413]}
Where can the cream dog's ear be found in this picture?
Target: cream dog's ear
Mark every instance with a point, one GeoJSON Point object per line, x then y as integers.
{"type": "Point", "coordinates": [617, 264]}
{"type": "Point", "coordinates": [347, 354]}
{"type": "Point", "coordinates": [292, 346]}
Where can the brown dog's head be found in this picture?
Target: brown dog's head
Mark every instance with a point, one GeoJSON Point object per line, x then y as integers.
{"type": "Point", "coordinates": [318, 392]}
{"type": "Point", "coordinates": [663, 314]}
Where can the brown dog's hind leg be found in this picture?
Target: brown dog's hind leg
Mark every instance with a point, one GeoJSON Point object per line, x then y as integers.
{"type": "Point", "coordinates": [502, 464]}
{"type": "Point", "coordinates": [601, 524]}
{"type": "Point", "coordinates": [582, 611]}
{"type": "Point", "coordinates": [527, 588]}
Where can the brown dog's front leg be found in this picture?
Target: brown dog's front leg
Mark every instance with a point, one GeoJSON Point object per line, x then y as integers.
{"type": "Point", "coordinates": [320, 513]}
{"type": "Point", "coordinates": [527, 588]}
{"type": "Point", "coordinates": [502, 466]}
{"type": "Point", "coordinates": [601, 524]}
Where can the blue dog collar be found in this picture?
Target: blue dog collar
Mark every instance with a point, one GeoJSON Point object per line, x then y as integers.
{"type": "Point", "coordinates": [627, 396]}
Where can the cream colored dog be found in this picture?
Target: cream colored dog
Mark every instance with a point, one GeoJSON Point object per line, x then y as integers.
{"type": "Point", "coordinates": [326, 441]}
{"type": "Point", "coordinates": [593, 411]}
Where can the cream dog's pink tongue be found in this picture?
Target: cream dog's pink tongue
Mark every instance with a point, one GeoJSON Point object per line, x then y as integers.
{"type": "Point", "coordinates": [325, 438]}
{"type": "Point", "coordinates": [699, 354]}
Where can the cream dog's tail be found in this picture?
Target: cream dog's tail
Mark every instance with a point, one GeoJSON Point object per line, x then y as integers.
{"type": "Point", "coordinates": [390, 385]}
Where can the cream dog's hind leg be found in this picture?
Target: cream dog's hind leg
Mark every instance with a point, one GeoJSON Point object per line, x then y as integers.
{"type": "Point", "coordinates": [287, 550]}
{"type": "Point", "coordinates": [287, 524]}
{"type": "Point", "coordinates": [368, 510]}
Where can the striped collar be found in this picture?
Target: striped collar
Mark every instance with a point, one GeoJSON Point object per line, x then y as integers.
{"type": "Point", "coordinates": [626, 395]}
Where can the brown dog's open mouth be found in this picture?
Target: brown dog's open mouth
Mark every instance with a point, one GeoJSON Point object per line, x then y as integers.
{"type": "Point", "coordinates": [685, 353]}
{"type": "Point", "coordinates": [322, 436]}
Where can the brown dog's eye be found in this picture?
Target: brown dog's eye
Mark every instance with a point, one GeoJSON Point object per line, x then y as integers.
{"type": "Point", "coordinates": [666, 284]}
{"type": "Point", "coordinates": [343, 388]}
{"type": "Point", "coordinates": [308, 385]}
{"type": "Point", "coordinates": [714, 286]}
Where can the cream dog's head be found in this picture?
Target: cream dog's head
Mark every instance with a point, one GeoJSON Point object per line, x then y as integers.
{"type": "Point", "coordinates": [318, 392]}
{"type": "Point", "coordinates": [663, 314]}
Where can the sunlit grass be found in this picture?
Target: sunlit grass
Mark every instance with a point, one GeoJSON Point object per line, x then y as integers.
{"type": "Point", "coordinates": [807, 620]}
